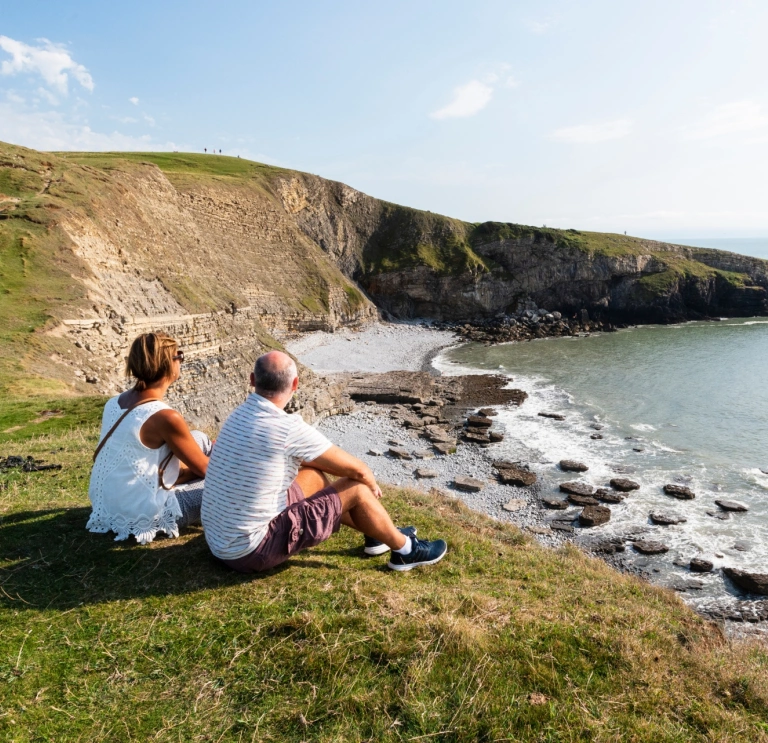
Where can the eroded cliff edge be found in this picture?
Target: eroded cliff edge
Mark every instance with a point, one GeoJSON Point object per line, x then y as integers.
{"type": "Point", "coordinates": [226, 255]}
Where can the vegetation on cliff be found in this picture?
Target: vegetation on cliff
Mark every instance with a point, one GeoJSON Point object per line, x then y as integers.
{"type": "Point", "coordinates": [503, 640]}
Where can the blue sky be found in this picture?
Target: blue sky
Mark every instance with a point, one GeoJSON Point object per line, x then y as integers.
{"type": "Point", "coordinates": [650, 117]}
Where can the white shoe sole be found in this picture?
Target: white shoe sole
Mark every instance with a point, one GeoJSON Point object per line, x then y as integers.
{"type": "Point", "coordinates": [403, 568]}
{"type": "Point", "coordinates": [373, 551]}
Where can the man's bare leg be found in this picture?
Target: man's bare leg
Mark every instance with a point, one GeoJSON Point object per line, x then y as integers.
{"type": "Point", "coordinates": [311, 481]}
{"type": "Point", "coordinates": [362, 511]}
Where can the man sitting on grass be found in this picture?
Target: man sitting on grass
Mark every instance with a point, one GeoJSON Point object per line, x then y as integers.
{"type": "Point", "coordinates": [267, 495]}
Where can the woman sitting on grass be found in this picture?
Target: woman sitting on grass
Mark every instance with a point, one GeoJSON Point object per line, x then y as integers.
{"type": "Point", "coordinates": [149, 467]}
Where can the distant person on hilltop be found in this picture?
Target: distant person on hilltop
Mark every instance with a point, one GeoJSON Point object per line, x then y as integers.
{"type": "Point", "coordinates": [149, 467]}
{"type": "Point", "coordinates": [267, 495]}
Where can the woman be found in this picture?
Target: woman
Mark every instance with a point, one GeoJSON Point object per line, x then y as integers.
{"type": "Point", "coordinates": [147, 453]}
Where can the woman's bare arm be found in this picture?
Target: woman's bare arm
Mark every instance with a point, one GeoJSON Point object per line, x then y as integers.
{"type": "Point", "coordinates": [169, 427]}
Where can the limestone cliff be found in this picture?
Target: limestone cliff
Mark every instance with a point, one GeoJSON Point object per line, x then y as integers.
{"type": "Point", "coordinates": [226, 254]}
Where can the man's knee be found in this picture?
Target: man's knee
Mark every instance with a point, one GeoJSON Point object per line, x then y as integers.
{"type": "Point", "coordinates": [352, 493]}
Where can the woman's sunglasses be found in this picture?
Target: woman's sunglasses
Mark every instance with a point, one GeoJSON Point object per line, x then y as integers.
{"type": "Point", "coordinates": [179, 357]}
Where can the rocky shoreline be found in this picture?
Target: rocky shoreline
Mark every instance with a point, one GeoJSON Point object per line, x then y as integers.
{"type": "Point", "coordinates": [439, 433]}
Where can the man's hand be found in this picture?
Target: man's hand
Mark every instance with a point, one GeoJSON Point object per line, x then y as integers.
{"type": "Point", "coordinates": [337, 462]}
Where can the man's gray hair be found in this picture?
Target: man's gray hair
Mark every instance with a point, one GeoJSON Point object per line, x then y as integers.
{"type": "Point", "coordinates": [274, 378]}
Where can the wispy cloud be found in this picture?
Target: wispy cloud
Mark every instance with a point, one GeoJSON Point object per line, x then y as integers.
{"type": "Point", "coordinates": [134, 100]}
{"type": "Point", "coordinates": [467, 100]}
{"type": "Point", "coordinates": [543, 25]}
{"type": "Point", "coordinates": [729, 118]}
{"type": "Point", "coordinates": [51, 61]}
{"type": "Point", "coordinates": [592, 133]}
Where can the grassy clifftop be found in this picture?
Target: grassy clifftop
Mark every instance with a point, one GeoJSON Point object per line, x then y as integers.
{"type": "Point", "coordinates": [503, 640]}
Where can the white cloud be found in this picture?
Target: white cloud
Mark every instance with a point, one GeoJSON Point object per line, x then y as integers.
{"type": "Point", "coordinates": [134, 100]}
{"type": "Point", "coordinates": [52, 130]}
{"type": "Point", "coordinates": [149, 119]}
{"type": "Point", "coordinates": [51, 61]}
{"type": "Point", "coordinates": [592, 133]}
{"type": "Point", "coordinates": [730, 118]}
{"type": "Point", "coordinates": [467, 100]}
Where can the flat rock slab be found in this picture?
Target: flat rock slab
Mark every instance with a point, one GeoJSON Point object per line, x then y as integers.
{"type": "Point", "coordinates": [555, 503]}
{"type": "Point", "coordinates": [608, 496]}
{"type": "Point", "coordinates": [649, 547]}
{"type": "Point", "coordinates": [480, 421]}
{"type": "Point", "coordinates": [468, 484]}
{"type": "Point", "coordinates": [582, 500]}
{"type": "Point", "coordinates": [595, 515]}
{"type": "Point", "coordinates": [565, 526]}
{"type": "Point", "coordinates": [516, 504]}
{"type": "Point", "coordinates": [393, 387]}
{"type": "Point", "coordinates": [720, 515]}
{"type": "Point", "coordinates": [517, 476]}
{"type": "Point", "coordinates": [487, 412]}
{"type": "Point", "coordinates": [623, 485]}
{"type": "Point", "coordinates": [376, 452]}
{"type": "Point", "coordinates": [399, 453]}
{"type": "Point", "coordinates": [700, 565]}
{"type": "Point", "coordinates": [686, 584]}
{"type": "Point", "coordinates": [596, 436]}
{"type": "Point", "coordinates": [445, 448]}
{"type": "Point", "coordinates": [750, 582]}
{"type": "Point", "coordinates": [496, 437]}
{"type": "Point", "coordinates": [424, 454]}
{"type": "Point", "coordinates": [424, 472]}
{"type": "Point", "coordinates": [553, 416]}
{"type": "Point", "coordinates": [395, 442]}
{"type": "Point", "coordinates": [542, 530]}
{"type": "Point", "coordinates": [679, 491]}
{"type": "Point", "coordinates": [571, 465]}
{"type": "Point", "coordinates": [732, 505]}
{"type": "Point", "coordinates": [576, 488]}
{"type": "Point", "coordinates": [664, 518]}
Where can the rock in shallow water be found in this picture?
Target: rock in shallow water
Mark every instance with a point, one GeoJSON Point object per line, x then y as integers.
{"type": "Point", "coordinates": [608, 496]}
{"type": "Point", "coordinates": [576, 488]}
{"type": "Point", "coordinates": [666, 519]}
{"type": "Point", "coordinates": [624, 485]}
{"type": "Point", "coordinates": [571, 465]}
{"type": "Point", "coordinates": [553, 416]}
{"type": "Point", "coordinates": [700, 565]}
{"type": "Point", "coordinates": [582, 500]}
{"type": "Point", "coordinates": [594, 515]}
{"type": "Point", "coordinates": [679, 491]}
{"type": "Point", "coordinates": [649, 547]}
{"type": "Point", "coordinates": [750, 582]}
{"type": "Point", "coordinates": [732, 505]}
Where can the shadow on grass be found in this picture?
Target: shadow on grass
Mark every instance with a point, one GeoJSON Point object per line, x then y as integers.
{"type": "Point", "coordinates": [51, 561]}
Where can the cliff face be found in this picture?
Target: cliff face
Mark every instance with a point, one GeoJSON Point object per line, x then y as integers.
{"type": "Point", "coordinates": [226, 254]}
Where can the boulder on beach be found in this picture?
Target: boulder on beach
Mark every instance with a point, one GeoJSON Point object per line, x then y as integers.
{"type": "Point", "coordinates": [576, 488]}
{"type": "Point", "coordinates": [496, 437]}
{"type": "Point", "coordinates": [700, 565]}
{"type": "Point", "coordinates": [480, 421]}
{"type": "Point", "coordinates": [424, 454]}
{"type": "Point", "coordinates": [624, 485]}
{"type": "Point", "coordinates": [518, 476]}
{"type": "Point", "coordinates": [445, 447]}
{"type": "Point", "coordinates": [376, 452]}
{"type": "Point", "coordinates": [468, 484]}
{"type": "Point", "coordinates": [398, 452]}
{"type": "Point", "coordinates": [565, 526]}
{"type": "Point", "coordinates": [487, 412]}
{"type": "Point", "coordinates": [594, 515]}
{"type": "Point", "coordinates": [681, 492]}
{"type": "Point", "coordinates": [516, 504]}
{"type": "Point", "coordinates": [424, 472]}
{"type": "Point", "coordinates": [649, 547]}
{"type": "Point", "coordinates": [571, 465]}
{"type": "Point", "coordinates": [664, 518]}
{"type": "Point", "coordinates": [555, 503]}
{"type": "Point", "coordinates": [750, 582]}
{"type": "Point", "coordinates": [476, 438]}
{"type": "Point", "coordinates": [732, 505]}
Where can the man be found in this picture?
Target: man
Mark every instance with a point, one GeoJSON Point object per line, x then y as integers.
{"type": "Point", "coordinates": [267, 495]}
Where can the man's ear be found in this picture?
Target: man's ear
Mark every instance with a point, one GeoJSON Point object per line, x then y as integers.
{"type": "Point", "coordinates": [295, 384]}
{"type": "Point", "coordinates": [253, 380]}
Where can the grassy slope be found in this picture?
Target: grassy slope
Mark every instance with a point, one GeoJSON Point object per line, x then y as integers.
{"type": "Point", "coordinates": [112, 641]}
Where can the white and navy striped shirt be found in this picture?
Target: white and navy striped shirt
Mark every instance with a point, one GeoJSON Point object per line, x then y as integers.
{"type": "Point", "coordinates": [254, 461]}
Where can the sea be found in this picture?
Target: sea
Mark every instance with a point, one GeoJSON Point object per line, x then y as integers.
{"type": "Point", "coordinates": [684, 404]}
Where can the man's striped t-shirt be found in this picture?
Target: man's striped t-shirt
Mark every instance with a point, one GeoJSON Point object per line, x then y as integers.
{"type": "Point", "coordinates": [255, 459]}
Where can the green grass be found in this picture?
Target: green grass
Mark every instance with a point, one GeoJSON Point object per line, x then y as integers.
{"type": "Point", "coordinates": [502, 641]}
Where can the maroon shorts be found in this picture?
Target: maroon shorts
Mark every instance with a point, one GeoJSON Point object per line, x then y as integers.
{"type": "Point", "coordinates": [304, 523]}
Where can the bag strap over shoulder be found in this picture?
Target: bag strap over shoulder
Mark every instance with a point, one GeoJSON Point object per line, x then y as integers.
{"type": "Point", "coordinates": [118, 422]}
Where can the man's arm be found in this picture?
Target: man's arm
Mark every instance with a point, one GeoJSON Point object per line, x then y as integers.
{"type": "Point", "coordinates": [336, 461]}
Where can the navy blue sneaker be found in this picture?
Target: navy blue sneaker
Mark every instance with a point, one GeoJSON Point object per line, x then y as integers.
{"type": "Point", "coordinates": [422, 553]}
{"type": "Point", "coordinates": [375, 547]}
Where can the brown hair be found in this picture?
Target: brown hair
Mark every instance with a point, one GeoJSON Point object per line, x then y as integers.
{"type": "Point", "coordinates": [150, 359]}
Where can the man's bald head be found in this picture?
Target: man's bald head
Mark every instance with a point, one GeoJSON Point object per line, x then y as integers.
{"type": "Point", "coordinates": [274, 374]}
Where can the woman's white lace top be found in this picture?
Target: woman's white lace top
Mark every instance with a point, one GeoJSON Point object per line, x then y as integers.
{"type": "Point", "coordinates": [124, 491]}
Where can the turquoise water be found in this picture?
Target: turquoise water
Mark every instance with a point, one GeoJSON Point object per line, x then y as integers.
{"type": "Point", "coordinates": [693, 397]}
